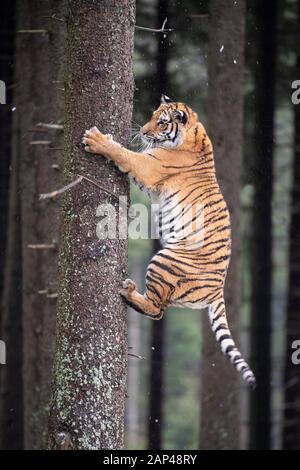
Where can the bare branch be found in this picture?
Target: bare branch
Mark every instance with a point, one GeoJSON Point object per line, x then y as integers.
{"type": "Point", "coordinates": [53, 194]}
{"type": "Point", "coordinates": [80, 178]}
{"type": "Point", "coordinates": [100, 187]}
{"type": "Point", "coordinates": [55, 166]}
{"type": "Point", "coordinates": [44, 125]}
{"type": "Point", "coordinates": [153, 30]}
{"type": "Point", "coordinates": [54, 295]}
{"type": "Point", "coordinates": [136, 355]}
{"type": "Point", "coordinates": [48, 294]}
{"type": "Point", "coordinates": [43, 291]}
{"type": "Point", "coordinates": [40, 142]}
{"type": "Point", "coordinates": [32, 31]}
{"type": "Point", "coordinates": [42, 246]}
{"type": "Point", "coordinates": [53, 17]}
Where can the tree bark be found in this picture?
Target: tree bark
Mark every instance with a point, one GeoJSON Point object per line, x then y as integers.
{"type": "Point", "coordinates": [156, 385]}
{"type": "Point", "coordinates": [11, 384]}
{"type": "Point", "coordinates": [7, 28]}
{"type": "Point", "coordinates": [37, 100]}
{"type": "Point", "coordinates": [291, 423]}
{"type": "Point", "coordinates": [261, 269]}
{"type": "Point", "coordinates": [11, 419]}
{"type": "Point", "coordinates": [133, 409]}
{"type": "Point", "coordinates": [220, 406]}
{"type": "Point", "coordinates": [89, 380]}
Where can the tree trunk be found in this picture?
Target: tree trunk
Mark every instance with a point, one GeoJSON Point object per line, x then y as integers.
{"type": "Point", "coordinates": [11, 384]}
{"type": "Point", "coordinates": [133, 408]}
{"type": "Point", "coordinates": [159, 87]}
{"type": "Point", "coordinates": [220, 426]}
{"type": "Point", "coordinates": [291, 424]}
{"type": "Point", "coordinates": [11, 420]}
{"type": "Point", "coordinates": [261, 270]}
{"type": "Point", "coordinates": [38, 100]}
{"type": "Point", "coordinates": [7, 31]}
{"type": "Point", "coordinates": [156, 398]}
{"type": "Point", "coordinates": [89, 381]}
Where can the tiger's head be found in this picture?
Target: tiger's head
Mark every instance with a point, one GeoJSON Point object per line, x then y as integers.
{"type": "Point", "coordinates": [169, 125]}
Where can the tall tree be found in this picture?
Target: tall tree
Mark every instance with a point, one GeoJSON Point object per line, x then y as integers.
{"type": "Point", "coordinates": [220, 410]}
{"type": "Point", "coordinates": [39, 109]}
{"type": "Point", "coordinates": [159, 86]}
{"type": "Point", "coordinates": [261, 269]}
{"type": "Point", "coordinates": [89, 379]}
{"type": "Point", "coordinates": [7, 31]}
{"type": "Point", "coordinates": [291, 424]}
{"type": "Point", "coordinates": [11, 383]}
{"type": "Point", "coordinates": [11, 417]}
{"type": "Point", "coordinates": [133, 415]}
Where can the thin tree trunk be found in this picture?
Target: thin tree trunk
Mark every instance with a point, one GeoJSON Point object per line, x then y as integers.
{"type": "Point", "coordinates": [261, 270]}
{"type": "Point", "coordinates": [11, 419]}
{"type": "Point", "coordinates": [220, 417]}
{"type": "Point", "coordinates": [133, 415]}
{"type": "Point", "coordinates": [7, 29]}
{"type": "Point", "coordinates": [291, 424]}
{"type": "Point", "coordinates": [49, 216]}
{"type": "Point", "coordinates": [89, 379]}
{"type": "Point", "coordinates": [39, 99]}
{"type": "Point", "coordinates": [11, 384]}
{"type": "Point", "coordinates": [157, 341]}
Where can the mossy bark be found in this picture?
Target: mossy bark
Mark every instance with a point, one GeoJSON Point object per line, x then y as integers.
{"type": "Point", "coordinates": [89, 380]}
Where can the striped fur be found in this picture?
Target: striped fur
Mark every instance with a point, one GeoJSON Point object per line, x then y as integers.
{"type": "Point", "coordinates": [178, 172]}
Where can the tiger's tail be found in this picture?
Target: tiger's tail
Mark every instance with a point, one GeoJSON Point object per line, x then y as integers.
{"type": "Point", "coordinates": [219, 325]}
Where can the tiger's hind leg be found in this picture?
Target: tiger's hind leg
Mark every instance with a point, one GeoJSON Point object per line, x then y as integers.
{"type": "Point", "coordinates": [153, 303]}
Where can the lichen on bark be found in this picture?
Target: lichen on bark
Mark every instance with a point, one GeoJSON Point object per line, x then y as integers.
{"type": "Point", "coordinates": [89, 378]}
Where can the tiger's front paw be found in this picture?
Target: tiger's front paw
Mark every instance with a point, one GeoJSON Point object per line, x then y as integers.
{"type": "Point", "coordinates": [128, 287]}
{"type": "Point", "coordinates": [95, 141]}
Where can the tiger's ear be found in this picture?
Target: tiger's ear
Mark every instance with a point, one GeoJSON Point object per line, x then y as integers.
{"type": "Point", "coordinates": [165, 99]}
{"type": "Point", "coordinates": [181, 116]}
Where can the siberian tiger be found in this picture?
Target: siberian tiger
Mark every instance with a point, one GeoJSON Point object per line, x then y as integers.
{"type": "Point", "coordinates": [178, 171]}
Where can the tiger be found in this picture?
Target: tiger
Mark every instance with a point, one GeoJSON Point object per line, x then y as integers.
{"type": "Point", "coordinates": [177, 170]}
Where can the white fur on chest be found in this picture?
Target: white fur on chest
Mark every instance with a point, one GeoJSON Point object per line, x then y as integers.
{"type": "Point", "coordinates": [192, 305]}
{"type": "Point", "coordinates": [178, 222]}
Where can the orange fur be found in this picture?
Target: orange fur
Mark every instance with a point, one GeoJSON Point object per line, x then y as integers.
{"type": "Point", "coordinates": [179, 173]}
